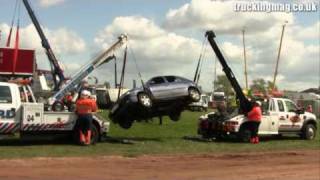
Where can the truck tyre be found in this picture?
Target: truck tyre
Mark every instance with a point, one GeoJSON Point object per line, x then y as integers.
{"type": "Point", "coordinates": [244, 134]}
{"type": "Point", "coordinates": [309, 132]}
{"type": "Point", "coordinates": [94, 134]}
{"type": "Point", "coordinates": [194, 94]}
{"type": "Point", "coordinates": [144, 100]}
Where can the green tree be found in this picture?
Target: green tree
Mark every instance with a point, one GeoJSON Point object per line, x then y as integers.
{"type": "Point", "coordinates": [261, 85]}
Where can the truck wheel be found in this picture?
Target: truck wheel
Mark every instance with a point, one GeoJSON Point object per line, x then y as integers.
{"type": "Point", "coordinates": [144, 100]}
{"type": "Point", "coordinates": [94, 134]}
{"type": "Point", "coordinates": [245, 134]}
{"type": "Point", "coordinates": [309, 132]}
{"type": "Point", "coordinates": [194, 94]}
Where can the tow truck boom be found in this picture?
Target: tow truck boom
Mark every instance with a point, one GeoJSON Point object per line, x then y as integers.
{"type": "Point", "coordinates": [57, 72]}
{"type": "Point", "coordinates": [87, 69]}
{"type": "Point", "coordinates": [245, 104]}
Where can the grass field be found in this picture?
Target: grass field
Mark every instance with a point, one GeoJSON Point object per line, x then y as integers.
{"type": "Point", "coordinates": [150, 138]}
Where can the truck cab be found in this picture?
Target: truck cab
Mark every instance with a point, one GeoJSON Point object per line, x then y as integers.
{"type": "Point", "coordinates": [19, 112]}
{"type": "Point", "coordinates": [279, 116]}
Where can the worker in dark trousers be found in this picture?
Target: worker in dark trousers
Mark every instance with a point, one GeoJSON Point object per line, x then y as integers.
{"type": "Point", "coordinates": [254, 118]}
{"type": "Point", "coordinates": [85, 106]}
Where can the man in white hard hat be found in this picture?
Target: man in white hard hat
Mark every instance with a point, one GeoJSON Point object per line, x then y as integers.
{"type": "Point", "coordinates": [85, 106]}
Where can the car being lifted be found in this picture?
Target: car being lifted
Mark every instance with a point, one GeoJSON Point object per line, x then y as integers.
{"type": "Point", "coordinates": [160, 96]}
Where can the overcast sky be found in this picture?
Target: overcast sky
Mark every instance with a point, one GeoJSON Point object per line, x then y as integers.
{"type": "Point", "coordinates": [166, 37]}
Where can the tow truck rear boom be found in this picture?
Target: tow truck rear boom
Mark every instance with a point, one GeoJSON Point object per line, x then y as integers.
{"type": "Point", "coordinates": [245, 104]}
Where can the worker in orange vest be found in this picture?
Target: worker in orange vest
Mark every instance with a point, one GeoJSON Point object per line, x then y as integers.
{"type": "Point", "coordinates": [85, 106]}
{"type": "Point", "coordinates": [254, 118]}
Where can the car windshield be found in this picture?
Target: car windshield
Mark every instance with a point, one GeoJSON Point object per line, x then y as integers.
{"type": "Point", "coordinates": [5, 94]}
{"type": "Point", "coordinates": [218, 98]}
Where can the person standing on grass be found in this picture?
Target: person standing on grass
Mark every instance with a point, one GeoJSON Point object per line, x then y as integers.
{"type": "Point", "coordinates": [85, 106]}
{"type": "Point", "coordinates": [254, 118]}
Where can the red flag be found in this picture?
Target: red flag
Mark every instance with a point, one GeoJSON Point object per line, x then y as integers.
{"type": "Point", "coordinates": [16, 48]}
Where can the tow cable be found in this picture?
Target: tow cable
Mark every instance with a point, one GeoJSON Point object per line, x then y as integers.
{"type": "Point", "coordinates": [200, 61]}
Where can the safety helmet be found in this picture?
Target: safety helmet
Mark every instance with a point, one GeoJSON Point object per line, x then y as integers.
{"type": "Point", "coordinates": [259, 103]}
{"type": "Point", "coordinates": [85, 93]}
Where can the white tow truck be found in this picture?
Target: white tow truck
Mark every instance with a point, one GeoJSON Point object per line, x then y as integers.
{"type": "Point", "coordinates": [19, 114]}
{"type": "Point", "coordinates": [280, 116]}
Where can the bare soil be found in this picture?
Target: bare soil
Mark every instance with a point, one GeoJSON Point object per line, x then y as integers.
{"type": "Point", "coordinates": [284, 165]}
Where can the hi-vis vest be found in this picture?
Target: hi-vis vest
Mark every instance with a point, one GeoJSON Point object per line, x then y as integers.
{"type": "Point", "coordinates": [86, 106]}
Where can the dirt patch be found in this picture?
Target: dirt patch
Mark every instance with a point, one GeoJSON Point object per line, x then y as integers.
{"type": "Point", "coordinates": [293, 165]}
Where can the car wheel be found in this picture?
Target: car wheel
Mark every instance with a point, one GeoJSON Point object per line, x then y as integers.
{"type": "Point", "coordinates": [144, 100]}
{"type": "Point", "coordinates": [194, 94]}
{"type": "Point", "coordinates": [126, 124]}
{"type": "Point", "coordinates": [309, 132]}
{"type": "Point", "coordinates": [175, 116]}
{"type": "Point", "coordinates": [244, 134]}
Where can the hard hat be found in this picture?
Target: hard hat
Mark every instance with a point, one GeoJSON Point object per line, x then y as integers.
{"type": "Point", "coordinates": [259, 103]}
{"type": "Point", "coordinates": [85, 93]}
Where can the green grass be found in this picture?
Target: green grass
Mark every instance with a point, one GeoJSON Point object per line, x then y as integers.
{"type": "Point", "coordinates": [150, 138]}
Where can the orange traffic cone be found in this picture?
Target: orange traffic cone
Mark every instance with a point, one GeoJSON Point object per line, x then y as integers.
{"type": "Point", "coordinates": [82, 137]}
{"type": "Point", "coordinates": [88, 137]}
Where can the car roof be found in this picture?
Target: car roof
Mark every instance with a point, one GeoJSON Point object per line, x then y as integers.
{"type": "Point", "coordinates": [166, 76]}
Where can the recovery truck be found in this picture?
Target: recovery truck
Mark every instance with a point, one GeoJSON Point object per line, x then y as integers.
{"type": "Point", "coordinates": [279, 115]}
{"type": "Point", "coordinates": [19, 111]}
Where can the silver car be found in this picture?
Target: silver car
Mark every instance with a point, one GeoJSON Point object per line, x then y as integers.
{"type": "Point", "coordinates": [160, 96]}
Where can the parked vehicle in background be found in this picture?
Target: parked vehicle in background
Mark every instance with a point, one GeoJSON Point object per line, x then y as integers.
{"type": "Point", "coordinates": [280, 116]}
{"type": "Point", "coordinates": [217, 98]}
{"type": "Point", "coordinates": [107, 97]}
{"type": "Point", "coordinates": [160, 96]}
{"type": "Point", "coordinates": [201, 105]}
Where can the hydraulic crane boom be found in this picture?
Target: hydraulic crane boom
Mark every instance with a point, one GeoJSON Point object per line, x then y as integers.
{"type": "Point", "coordinates": [57, 72]}
{"type": "Point", "coordinates": [245, 104]}
{"type": "Point", "coordinates": [104, 57]}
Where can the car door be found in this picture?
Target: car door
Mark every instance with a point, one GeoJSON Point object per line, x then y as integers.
{"type": "Point", "coordinates": [282, 116]}
{"type": "Point", "coordinates": [158, 87]}
{"type": "Point", "coordinates": [176, 87]}
{"type": "Point", "coordinates": [267, 122]}
{"type": "Point", "coordinates": [9, 110]}
{"type": "Point", "coordinates": [293, 119]}
{"type": "Point", "coordinates": [285, 116]}
{"type": "Point", "coordinates": [273, 117]}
